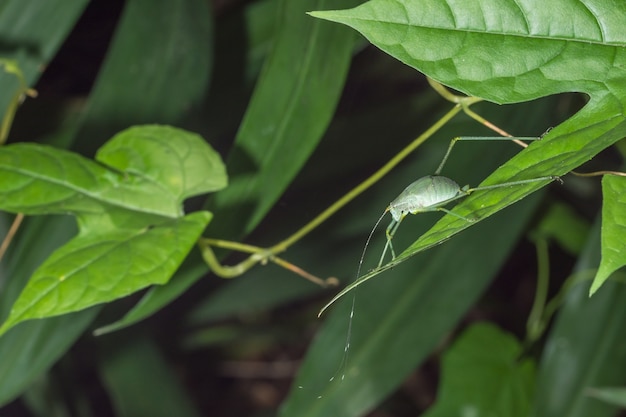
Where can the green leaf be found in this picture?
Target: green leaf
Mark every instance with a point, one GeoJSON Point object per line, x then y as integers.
{"type": "Point", "coordinates": [483, 375]}
{"type": "Point", "coordinates": [516, 52]}
{"type": "Point", "coordinates": [615, 396]}
{"type": "Point", "coordinates": [292, 105]}
{"type": "Point", "coordinates": [29, 349]}
{"type": "Point", "coordinates": [176, 160]}
{"type": "Point", "coordinates": [123, 209]}
{"type": "Point", "coordinates": [96, 268]}
{"type": "Point", "coordinates": [613, 229]}
{"type": "Point", "coordinates": [155, 169]}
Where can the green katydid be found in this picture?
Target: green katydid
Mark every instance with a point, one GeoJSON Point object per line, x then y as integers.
{"type": "Point", "coordinates": [427, 194]}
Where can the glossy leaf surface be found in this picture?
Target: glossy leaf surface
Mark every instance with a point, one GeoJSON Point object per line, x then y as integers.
{"type": "Point", "coordinates": [126, 201]}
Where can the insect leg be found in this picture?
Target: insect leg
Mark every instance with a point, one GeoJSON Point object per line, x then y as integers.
{"type": "Point", "coordinates": [520, 182]}
{"type": "Point", "coordinates": [467, 219]}
{"type": "Point", "coordinates": [480, 138]}
{"type": "Point", "coordinates": [391, 230]}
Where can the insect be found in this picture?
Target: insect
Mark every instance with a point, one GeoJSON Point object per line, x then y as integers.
{"type": "Point", "coordinates": [432, 193]}
{"type": "Point", "coordinates": [427, 194]}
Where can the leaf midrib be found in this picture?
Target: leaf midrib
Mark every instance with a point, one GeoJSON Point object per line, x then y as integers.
{"type": "Point", "coordinates": [482, 32]}
{"type": "Point", "coordinates": [97, 197]}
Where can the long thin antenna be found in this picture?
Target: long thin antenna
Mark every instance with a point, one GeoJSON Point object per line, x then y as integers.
{"type": "Point", "coordinates": [346, 349]}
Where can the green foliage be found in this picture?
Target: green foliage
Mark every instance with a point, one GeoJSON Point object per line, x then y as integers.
{"type": "Point", "coordinates": [302, 110]}
{"type": "Point", "coordinates": [482, 374]}
{"type": "Point", "coordinates": [124, 205]}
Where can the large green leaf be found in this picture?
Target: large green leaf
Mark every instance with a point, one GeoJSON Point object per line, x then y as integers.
{"type": "Point", "coordinates": [483, 375]}
{"type": "Point", "coordinates": [125, 204]}
{"type": "Point", "coordinates": [99, 267]}
{"type": "Point", "coordinates": [517, 51]}
{"type": "Point", "coordinates": [514, 52]}
{"type": "Point", "coordinates": [147, 169]}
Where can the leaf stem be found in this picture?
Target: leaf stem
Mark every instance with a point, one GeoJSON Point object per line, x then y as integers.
{"type": "Point", "coordinates": [535, 323]}
{"type": "Point", "coordinates": [259, 255]}
{"type": "Point", "coordinates": [371, 180]}
{"type": "Point", "coordinates": [12, 230]}
{"type": "Point", "coordinates": [462, 103]}
{"type": "Point", "coordinates": [11, 67]}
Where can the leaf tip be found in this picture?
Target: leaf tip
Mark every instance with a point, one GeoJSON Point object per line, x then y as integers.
{"type": "Point", "coordinates": [324, 14]}
{"type": "Point", "coordinates": [599, 279]}
{"type": "Point", "coordinates": [315, 13]}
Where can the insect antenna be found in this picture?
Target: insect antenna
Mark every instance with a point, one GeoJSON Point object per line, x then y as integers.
{"type": "Point", "coordinates": [367, 242]}
{"type": "Point", "coordinates": [346, 349]}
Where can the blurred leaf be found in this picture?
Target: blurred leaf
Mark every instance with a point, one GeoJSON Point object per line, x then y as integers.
{"type": "Point", "coordinates": [29, 349]}
{"type": "Point", "coordinates": [613, 229]}
{"type": "Point", "coordinates": [585, 347]}
{"type": "Point", "coordinates": [483, 375]}
{"type": "Point", "coordinates": [291, 107]}
{"type": "Point", "coordinates": [50, 394]}
{"type": "Point", "coordinates": [141, 383]}
{"type": "Point", "coordinates": [31, 33]}
{"type": "Point", "coordinates": [565, 226]}
{"type": "Point", "coordinates": [157, 70]}
{"type": "Point", "coordinates": [514, 53]}
{"type": "Point", "coordinates": [293, 102]}
{"type": "Point", "coordinates": [615, 396]}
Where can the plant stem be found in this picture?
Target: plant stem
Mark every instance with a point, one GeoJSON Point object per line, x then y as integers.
{"type": "Point", "coordinates": [263, 255]}
{"type": "Point", "coordinates": [12, 231]}
{"type": "Point", "coordinates": [352, 194]}
{"type": "Point", "coordinates": [536, 324]}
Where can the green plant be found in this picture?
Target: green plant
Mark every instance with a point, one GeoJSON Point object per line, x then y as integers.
{"type": "Point", "coordinates": [288, 107]}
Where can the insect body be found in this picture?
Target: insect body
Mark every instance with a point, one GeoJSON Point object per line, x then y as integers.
{"type": "Point", "coordinates": [428, 193]}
